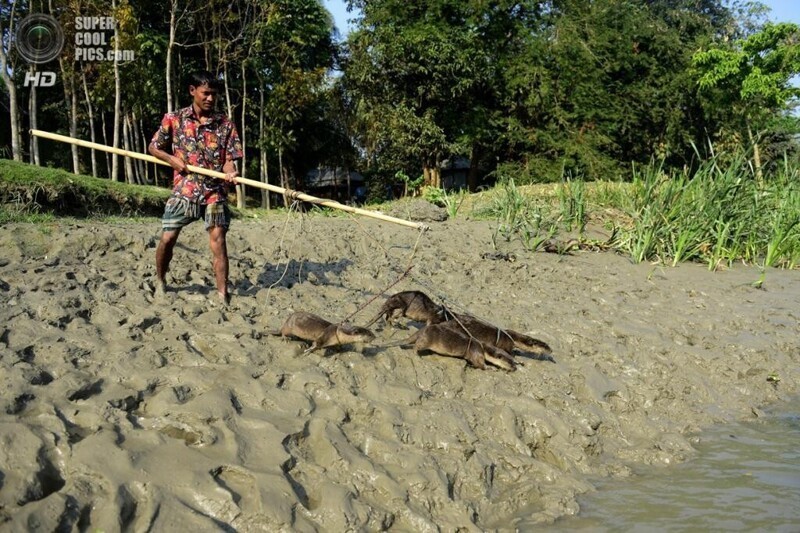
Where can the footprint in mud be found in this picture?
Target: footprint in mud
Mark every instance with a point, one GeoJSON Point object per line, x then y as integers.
{"type": "Point", "coordinates": [41, 377]}
{"type": "Point", "coordinates": [128, 403]}
{"type": "Point", "coordinates": [183, 393]}
{"type": "Point", "coordinates": [136, 508]}
{"type": "Point", "coordinates": [20, 403]}
{"type": "Point", "coordinates": [75, 433]}
{"type": "Point", "coordinates": [145, 323]}
{"type": "Point", "coordinates": [45, 482]}
{"type": "Point", "coordinates": [26, 355]}
{"type": "Point", "coordinates": [235, 403]}
{"type": "Point", "coordinates": [87, 391]}
{"type": "Point", "coordinates": [187, 435]}
{"type": "Point", "coordinates": [241, 485]}
{"type": "Point", "coordinates": [131, 402]}
{"type": "Point", "coordinates": [195, 435]}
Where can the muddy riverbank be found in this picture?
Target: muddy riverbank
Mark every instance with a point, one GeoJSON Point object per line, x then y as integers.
{"type": "Point", "coordinates": [122, 410]}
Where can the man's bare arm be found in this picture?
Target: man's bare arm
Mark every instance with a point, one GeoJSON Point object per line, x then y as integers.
{"type": "Point", "coordinates": [174, 161]}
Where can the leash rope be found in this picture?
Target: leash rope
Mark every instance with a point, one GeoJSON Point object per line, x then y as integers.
{"type": "Point", "coordinates": [294, 206]}
{"type": "Point", "coordinates": [400, 278]}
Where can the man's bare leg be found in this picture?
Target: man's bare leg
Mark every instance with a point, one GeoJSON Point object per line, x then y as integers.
{"type": "Point", "coordinates": [163, 258]}
{"type": "Point", "coordinates": [219, 249]}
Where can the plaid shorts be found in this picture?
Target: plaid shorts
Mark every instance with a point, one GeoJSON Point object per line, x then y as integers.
{"type": "Point", "coordinates": [177, 214]}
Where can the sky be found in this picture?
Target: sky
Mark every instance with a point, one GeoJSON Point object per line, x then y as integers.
{"type": "Point", "coordinates": [782, 11]}
{"type": "Point", "coordinates": [338, 9]}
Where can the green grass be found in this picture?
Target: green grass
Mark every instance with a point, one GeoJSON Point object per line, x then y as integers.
{"type": "Point", "coordinates": [28, 192]}
{"type": "Point", "coordinates": [717, 215]}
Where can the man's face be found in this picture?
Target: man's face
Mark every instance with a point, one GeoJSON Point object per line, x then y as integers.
{"type": "Point", "coordinates": [203, 97]}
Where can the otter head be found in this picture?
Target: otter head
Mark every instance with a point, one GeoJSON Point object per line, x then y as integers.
{"type": "Point", "coordinates": [356, 333]}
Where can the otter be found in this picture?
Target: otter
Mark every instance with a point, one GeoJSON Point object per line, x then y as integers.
{"type": "Point", "coordinates": [506, 339]}
{"type": "Point", "coordinates": [415, 305]}
{"type": "Point", "coordinates": [445, 340]}
{"type": "Point", "coordinates": [320, 332]}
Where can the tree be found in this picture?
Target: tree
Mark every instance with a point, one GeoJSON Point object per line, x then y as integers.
{"type": "Point", "coordinates": [8, 20]}
{"type": "Point", "coordinates": [291, 52]}
{"type": "Point", "coordinates": [752, 78]}
{"type": "Point", "coordinates": [413, 74]}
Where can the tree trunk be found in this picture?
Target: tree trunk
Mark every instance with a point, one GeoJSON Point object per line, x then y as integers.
{"type": "Point", "coordinates": [472, 173]}
{"type": "Point", "coordinates": [33, 107]}
{"type": "Point", "coordinates": [73, 122]}
{"type": "Point", "coordinates": [173, 7]}
{"type": "Point", "coordinates": [90, 112]}
{"type": "Point", "coordinates": [140, 144]}
{"type": "Point", "coordinates": [13, 108]}
{"type": "Point", "coordinates": [130, 176]}
{"type": "Point", "coordinates": [432, 175]}
{"type": "Point", "coordinates": [105, 141]}
{"type": "Point", "coordinates": [263, 169]}
{"type": "Point", "coordinates": [240, 191]}
{"type": "Point", "coordinates": [284, 178]}
{"type": "Point", "coordinates": [756, 154]}
{"type": "Point", "coordinates": [117, 99]}
{"type": "Point", "coordinates": [426, 175]}
{"type": "Point", "coordinates": [13, 103]}
{"type": "Point", "coordinates": [226, 87]}
{"type": "Point", "coordinates": [136, 146]}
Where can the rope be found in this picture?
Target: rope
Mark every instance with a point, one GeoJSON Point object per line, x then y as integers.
{"type": "Point", "coordinates": [395, 282]}
{"type": "Point", "coordinates": [292, 207]}
{"type": "Point", "coordinates": [295, 207]}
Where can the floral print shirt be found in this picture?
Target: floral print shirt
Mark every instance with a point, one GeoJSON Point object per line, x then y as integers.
{"type": "Point", "coordinates": [208, 145]}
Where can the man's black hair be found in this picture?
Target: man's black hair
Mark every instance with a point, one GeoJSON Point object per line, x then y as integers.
{"type": "Point", "coordinates": [203, 77]}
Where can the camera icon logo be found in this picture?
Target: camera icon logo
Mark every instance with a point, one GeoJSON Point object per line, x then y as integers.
{"type": "Point", "coordinates": [39, 38]}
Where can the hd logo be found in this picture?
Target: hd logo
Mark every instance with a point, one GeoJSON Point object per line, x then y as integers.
{"type": "Point", "coordinates": [40, 79]}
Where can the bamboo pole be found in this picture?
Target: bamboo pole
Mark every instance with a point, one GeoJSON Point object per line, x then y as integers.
{"type": "Point", "coordinates": [221, 175]}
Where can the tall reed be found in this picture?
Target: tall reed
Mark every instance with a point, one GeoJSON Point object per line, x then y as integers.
{"type": "Point", "coordinates": [717, 215]}
{"type": "Point", "coordinates": [520, 217]}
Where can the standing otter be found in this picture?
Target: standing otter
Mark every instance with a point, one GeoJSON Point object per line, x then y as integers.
{"type": "Point", "coordinates": [320, 332]}
{"type": "Point", "coordinates": [505, 339]}
{"type": "Point", "coordinates": [415, 305]}
{"type": "Point", "coordinates": [445, 340]}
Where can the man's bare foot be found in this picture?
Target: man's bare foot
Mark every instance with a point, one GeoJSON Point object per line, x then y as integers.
{"type": "Point", "coordinates": [161, 288]}
{"type": "Point", "coordinates": [224, 299]}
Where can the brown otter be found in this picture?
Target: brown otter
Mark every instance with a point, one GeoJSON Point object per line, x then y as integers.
{"type": "Point", "coordinates": [445, 340]}
{"type": "Point", "coordinates": [415, 305]}
{"type": "Point", "coordinates": [505, 339]}
{"type": "Point", "coordinates": [320, 332]}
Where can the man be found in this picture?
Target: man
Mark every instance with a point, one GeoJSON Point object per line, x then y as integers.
{"type": "Point", "coordinates": [197, 135]}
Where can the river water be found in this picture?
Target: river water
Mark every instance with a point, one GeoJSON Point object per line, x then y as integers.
{"type": "Point", "coordinates": [746, 477]}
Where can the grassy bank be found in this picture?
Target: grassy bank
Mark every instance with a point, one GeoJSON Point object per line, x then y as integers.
{"type": "Point", "coordinates": [28, 192]}
{"type": "Point", "coordinates": [717, 215]}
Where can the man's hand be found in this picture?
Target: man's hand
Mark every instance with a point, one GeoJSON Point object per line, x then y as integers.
{"type": "Point", "coordinates": [177, 163]}
{"type": "Point", "coordinates": [231, 176]}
